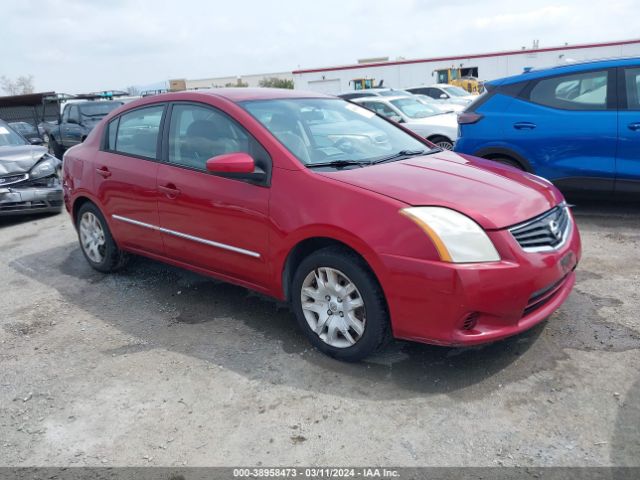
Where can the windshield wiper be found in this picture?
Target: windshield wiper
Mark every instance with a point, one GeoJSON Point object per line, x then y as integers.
{"type": "Point", "coordinates": [402, 154]}
{"type": "Point", "coordinates": [337, 164]}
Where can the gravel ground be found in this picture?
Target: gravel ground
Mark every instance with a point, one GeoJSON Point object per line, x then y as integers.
{"type": "Point", "coordinates": [159, 366]}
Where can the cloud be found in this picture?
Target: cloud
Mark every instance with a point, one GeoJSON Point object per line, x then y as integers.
{"type": "Point", "coordinates": [79, 45]}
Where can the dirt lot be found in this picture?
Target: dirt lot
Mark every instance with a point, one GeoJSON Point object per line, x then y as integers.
{"type": "Point", "coordinates": [158, 366]}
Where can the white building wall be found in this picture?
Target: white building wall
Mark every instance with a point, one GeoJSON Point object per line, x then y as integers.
{"type": "Point", "coordinates": [490, 67]}
{"type": "Point", "coordinates": [252, 80]}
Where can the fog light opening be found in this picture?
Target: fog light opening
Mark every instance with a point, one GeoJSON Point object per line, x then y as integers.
{"type": "Point", "coordinates": [470, 321]}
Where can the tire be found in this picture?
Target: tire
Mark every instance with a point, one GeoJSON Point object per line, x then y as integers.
{"type": "Point", "coordinates": [346, 343]}
{"type": "Point", "coordinates": [55, 148]}
{"type": "Point", "coordinates": [443, 142]}
{"type": "Point", "coordinates": [96, 241]}
{"type": "Point", "coordinates": [507, 161]}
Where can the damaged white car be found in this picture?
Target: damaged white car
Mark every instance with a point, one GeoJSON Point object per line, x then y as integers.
{"type": "Point", "coordinates": [29, 176]}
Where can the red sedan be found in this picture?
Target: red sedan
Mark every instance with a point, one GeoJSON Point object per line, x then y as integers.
{"type": "Point", "coordinates": [368, 230]}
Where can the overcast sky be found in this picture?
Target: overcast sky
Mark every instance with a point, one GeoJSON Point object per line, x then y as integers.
{"type": "Point", "coordinates": [82, 45]}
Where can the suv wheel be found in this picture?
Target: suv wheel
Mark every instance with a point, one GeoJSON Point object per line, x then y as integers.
{"type": "Point", "coordinates": [339, 304]}
{"type": "Point", "coordinates": [96, 241]}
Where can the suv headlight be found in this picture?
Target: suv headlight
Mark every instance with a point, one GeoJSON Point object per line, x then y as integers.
{"type": "Point", "coordinates": [44, 168]}
{"type": "Point", "coordinates": [457, 238]}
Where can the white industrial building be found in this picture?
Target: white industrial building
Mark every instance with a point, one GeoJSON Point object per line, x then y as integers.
{"type": "Point", "coordinates": [485, 66]}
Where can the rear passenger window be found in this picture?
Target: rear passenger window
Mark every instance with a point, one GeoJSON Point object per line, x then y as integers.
{"type": "Point", "coordinates": [113, 129]}
{"type": "Point", "coordinates": [632, 82]}
{"type": "Point", "coordinates": [137, 132]}
{"type": "Point", "coordinates": [580, 91]}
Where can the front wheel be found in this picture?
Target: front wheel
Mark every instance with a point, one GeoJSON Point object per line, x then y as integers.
{"type": "Point", "coordinates": [443, 142]}
{"type": "Point", "coordinates": [339, 304]}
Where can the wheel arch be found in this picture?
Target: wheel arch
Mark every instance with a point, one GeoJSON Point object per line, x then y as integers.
{"type": "Point", "coordinates": [491, 153]}
{"type": "Point", "coordinates": [306, 246]}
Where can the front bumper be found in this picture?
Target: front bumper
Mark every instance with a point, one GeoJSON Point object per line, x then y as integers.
{"type": "Point", "coordinates": [468, 304]}
{"type": "Point", "coordinates": [20, 199]}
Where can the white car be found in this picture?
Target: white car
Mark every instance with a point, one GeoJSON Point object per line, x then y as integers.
{"type": "Point", "coordinates": [444, 107]}
{"type": "Point", "coordinates": [445, 93]}
{"type": "Point", "coordinates": [427, 121]}
{"type": "Point", "coordinates": [373, 92]}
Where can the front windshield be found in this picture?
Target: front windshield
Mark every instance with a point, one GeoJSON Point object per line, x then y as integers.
{"type": "Point", "coordinates": [456, 91]}
{"type": "Point", "coordinates": [98, 109]}
{"type": "Point", "coordinates": [318, 130]}
{"type": "Point", "coordinates": [9, 138]}
{"type": "Point", "coordinates": [413, 108]}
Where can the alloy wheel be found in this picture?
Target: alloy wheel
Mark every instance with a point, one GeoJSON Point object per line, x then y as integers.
{"type": "Point", "coordinates": [92, 237]}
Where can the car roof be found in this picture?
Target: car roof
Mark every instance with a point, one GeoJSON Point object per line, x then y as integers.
{"type": "Point", "coordinates": [243, 94]}
{"type": "Point", "coordinates": [384, 99]}
{"type": "Point", "coordinates": [574, 67]}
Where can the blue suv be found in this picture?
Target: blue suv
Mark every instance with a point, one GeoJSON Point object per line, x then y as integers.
{"type": "Point", "coordinates": [577, 125]}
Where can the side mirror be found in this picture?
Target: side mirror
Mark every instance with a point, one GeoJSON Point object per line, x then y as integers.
{"type": "Point", "coordinates": [72, 120]}
{"type": "Point", "coordinates": [396, 118]}
{"type": "Point", "coordinates": [238, 165]}
{"type": "Point", "coordinates": [444, 96]}
{"type": "Point", "coordinates": [35, 141]}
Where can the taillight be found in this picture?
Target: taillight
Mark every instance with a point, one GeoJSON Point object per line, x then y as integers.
{"type": "Point", "coordinates": [468, 117]}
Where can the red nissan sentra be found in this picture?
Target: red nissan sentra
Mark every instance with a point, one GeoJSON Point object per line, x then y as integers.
{"type": "Point", "coordinates": [367, 229]}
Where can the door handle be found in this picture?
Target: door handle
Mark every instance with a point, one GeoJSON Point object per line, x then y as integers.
{"type": "Point", "coordinates": [103, 172]}
{"type": "Point", "coordinates": [634, 126]}
{"type": "Point", "coordinates": [169, 190]}
{"type": "Point", "coordinates": [524, 126]}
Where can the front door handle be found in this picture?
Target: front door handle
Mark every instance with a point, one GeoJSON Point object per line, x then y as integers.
{"type": "Point", "coordinates": [524, 126]}
{"type": "Point", "coordinates": [634, 126]}
{"type": "Point", "coordinates": [169, 190]}
{"type": "Point", "coordinates": [103, 172]}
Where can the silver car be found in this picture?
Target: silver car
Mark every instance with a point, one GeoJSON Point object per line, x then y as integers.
{"type": "Point", "coordinates": [427, 121]}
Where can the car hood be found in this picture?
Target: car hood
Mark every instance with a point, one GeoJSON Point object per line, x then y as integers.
{"type": "Point", "coordinates": [494, 195]}
{"type": "Point", "coordinates": [19, 159]}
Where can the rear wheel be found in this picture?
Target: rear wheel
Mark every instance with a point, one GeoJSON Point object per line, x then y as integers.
{"type": "Point", "coordinates": [339, 304]}
{"type": "Point", "coordinates": [55, 148]}
{"type": "Point", "coordinates": [96, 241]}
{"type": "Point", "coordinates": [443, 142]}
{"type": "Point", "coordinates": [508, 161]}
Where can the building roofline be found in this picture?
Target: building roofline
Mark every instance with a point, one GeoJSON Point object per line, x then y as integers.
{"type": "Point", "coordinates": [463, 57]}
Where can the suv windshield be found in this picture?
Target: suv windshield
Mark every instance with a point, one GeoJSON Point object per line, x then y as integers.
{"type": "Point", "coordinates": [456, 91]}
{"type": "Point", "coordinates": [9, 138]}
{"type": "Point", "coordinates": [318, 131]}
{"type": "Point", "coordinates": [98, 109]}
{"type": "Point", "coordinates": [413, 108]}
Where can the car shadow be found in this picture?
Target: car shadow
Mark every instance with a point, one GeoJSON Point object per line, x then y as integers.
{"type": "Point", "coordinates": [11, 220]}
{"type": "Point", "coordinates": [159, 306]}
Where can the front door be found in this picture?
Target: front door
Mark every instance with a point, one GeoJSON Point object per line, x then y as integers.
{"type": "Point", "coordinates": [125, 178]}
{"type": "Point", "coordinates": [628, 160]}
{"type": "Point", "coordinates": [215, 223]}
{"type": "Point", "coordinates": [567, 128]}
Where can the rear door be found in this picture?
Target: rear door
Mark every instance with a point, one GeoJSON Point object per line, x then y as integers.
{"type": "Point", "coordinates": [628, 159]}
{"type": "Point", "coordinates": [208, 221]}
{"type": "Point", "coordinates": [71, 129]}
{"type": "Point", "coordinates": [566, 127]}
{"type": "Point", "coordinates": [125, 178]}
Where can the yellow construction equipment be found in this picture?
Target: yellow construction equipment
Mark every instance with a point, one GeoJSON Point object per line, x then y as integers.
{"type": "Point", "coordinates": [460, 77]}
{"type": "Point", "coordinates": [363, 83]}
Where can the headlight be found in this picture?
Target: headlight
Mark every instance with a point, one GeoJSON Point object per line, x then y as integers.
{"type": "Point", "coordinates": [457, 238]}
{"type": "Point", "coordinates": [44, 168]}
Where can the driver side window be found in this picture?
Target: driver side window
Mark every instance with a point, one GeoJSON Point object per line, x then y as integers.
{"type": "Point", "coordinates": [198, 133]}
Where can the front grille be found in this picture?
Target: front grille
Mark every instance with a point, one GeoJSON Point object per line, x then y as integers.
{"type": "Point", "coordinates": [11, 179]}
{"type": "Point", "coordinates": [544, 232]}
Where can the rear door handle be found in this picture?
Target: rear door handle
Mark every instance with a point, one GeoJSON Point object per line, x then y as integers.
{"type": "Point", "coordinates": [169, 190]}
{"type": "Point", "coordinates": [103, 172]}
{"type": "Point", "coordinates": [634, 126]}
{"type": "Point", "coordinates": [524, 126]}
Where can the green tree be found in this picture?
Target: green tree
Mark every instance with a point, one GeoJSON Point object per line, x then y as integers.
{"type": "Point", "coordinates": [275, 82]}
{"type": "Point", "coordinates": [239, 83]}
